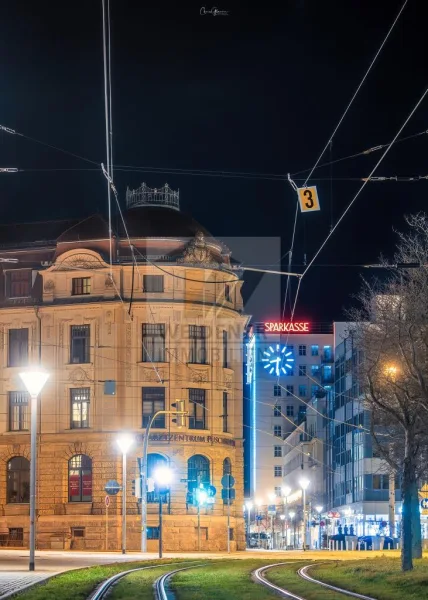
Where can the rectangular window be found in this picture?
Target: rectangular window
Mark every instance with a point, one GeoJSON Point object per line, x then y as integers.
{"type": "Point", "coordinates": [302, 350]}
{"type": "Point", "coordinates": [18, 347]}
{"type": "Point", "coordinates": [277, 431]}
{"type": "Point", "coordinates": [198, 344]}
{"type": "Point", "coordinates": [314, 349]}
{"type": "Point", "coordinates": [152, 533]}
{"type": "Point", "coordinates": [290, 372]}
{"type": "Point", "coordinates": [276, 390]}
{"type": "Point", "coordinates": [290, 390]}
{"type": "Point", "coordinates": [80, 340]}
{"type": "Point", "coordinates": [225, 353]}
{"type": "Point", "coordinates": [278, 492]}
{"type": "Point", "coordinates": [290, 410]}
{"type": "Point", "coordinates": [277, 471]}
{"type": "Point", "coordinates": [152, 283]}
{"type": "Point", "coordinates": [19, 283]}
{"type": "Point", "coordinates": [153, 342]}
{"type": "Point", "coordinates": [197, 410]}
{"type": "Point", "coordinates": [153, 401]}
{"type": "Point", "coordinates": [227, 293]}
{"type": "Point", "coordinates": [78, 532]}
{"type": "Point", "coordinates": [314, 389]}
{"type": "Point", "coordinates": [327, 353]}
{"type": "Point", "coordinates": [302, 370]}
{"type": "Point", "coordinates": [81, 286]}
{"type": "Point", "coordinates": [225, 413]}
{"type": "Point", "coordinates": [16, 536]}
{"type": "Point", "coordinates": [203, 533]}
{"type": "Point", "coordinates": [277, 451]}
{"type": "Point", "coordinates": [79, 408]}
{"type": "Point", "coordinates": [302, 390]}
{"type": "Point", "coordinates": [19, 415]}
{"type": "Point", "coordinates": [315, 370]}
{"type": "Point", "coordinates": [277, 410]}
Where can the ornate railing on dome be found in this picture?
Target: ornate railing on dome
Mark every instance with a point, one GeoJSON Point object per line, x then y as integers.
{"type": "Point", "coordinates": [145, 196]}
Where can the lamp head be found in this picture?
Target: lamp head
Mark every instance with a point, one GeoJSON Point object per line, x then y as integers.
{"type": "Point", "coordinates": [249, 506]}
{"type": "Point", "coordinates": [163, 476]}
{"type": "Point", "coordinates": [282, 517]}
{"type": "Point", "coordinates": [125, 441]}
{"type": "Point", "coordinates": [285, 491]}
{"type": "Point", "coordinates": [318, 508]}
{"type": "Point", "coordinates": [34, 379]}
{"type": "Point", "coordinates": [304, 483]}
{"type": "Point", "coordinates": [292, 514]}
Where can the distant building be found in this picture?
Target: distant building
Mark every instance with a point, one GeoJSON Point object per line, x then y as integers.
{"type": "Point", "coordinates": [164, 323]}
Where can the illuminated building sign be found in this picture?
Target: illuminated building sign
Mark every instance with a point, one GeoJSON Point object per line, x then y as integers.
{"type": "Point", "coordinates": [297, 327]}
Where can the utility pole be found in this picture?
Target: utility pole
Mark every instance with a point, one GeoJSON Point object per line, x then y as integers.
{"type": "Point", "coordinates": [392, 504]}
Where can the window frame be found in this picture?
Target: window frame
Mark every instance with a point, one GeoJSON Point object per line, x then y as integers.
{"type": "Point", "coordinates": [194, 415]}
{"type": "Point", "coordinates": [198, 471]}
{"type": "Point", "coordinates": [289, 411]}
{"type": "Point", "coordinates": [80, 286]}
{"type": "Point", "coordinates": [16, 355]}
{"type": "Point", "coordinates": [153, 338]}
{"type": "Point", "coordinates": [225, 414]}
{"type": "Point", "coordinates": [82, 397]}
{"type": "Point", "coordinates": [160, 393]}
{"type": "Point", "coordinates": [19, 481]}
{"type": "Point", "coordinates": [277, 451]}
{"type": "Point", "coordinates": [277, 391]}
{"type": "Point", "coordinates": [225, 350]}
{"type": "Point", "coordinates": [82, 469]}
{"type": "Point", "coordinates": [151, 280]}
{"type": "Point", "coordinates": [277, 410]}
{"type": "Point", "coordinates": [290, 390]}
{"type": "Point", "coordinates": [303, 391]}
{"type": "Point", "coordinates": [277, 470]}
{"type": "Point", "coordinates": [302, 349]}
{"type": "Point", "coordinates": [80, 345]}
{"type": "Point", "coordinates": [302, 370]}
{"type": "Point", "coordinates": [315, 349]}
{"type": "Point", "coordinates": [24, 281]}
{"type": "Point", "coordinates": [198, 345]}
{"type": "Point", "coordinates": [277, 431]}
{"type": "Point", "coordinates": [21, 402]}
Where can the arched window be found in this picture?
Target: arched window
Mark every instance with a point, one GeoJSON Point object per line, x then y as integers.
{"type": "Point", "coordinates": [153, 462]}
{"type": "Point", "coordinates": [227, 467]}
{"type": "Point", "coordinates": [198, 471]}
{"type": "Point", "coordinates": [18, 480]}
{"type": "Point", "coordinates": [80, 478]}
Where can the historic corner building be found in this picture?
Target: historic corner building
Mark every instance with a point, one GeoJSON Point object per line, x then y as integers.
{"type": "Point", "coordinates": [287, 363]}
{"type": "Point", "coordinates": [164, 323]}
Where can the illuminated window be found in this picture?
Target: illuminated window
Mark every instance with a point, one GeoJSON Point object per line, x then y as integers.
{"type": "Point", "coordinates": [80, 478]}
{"type": "Point", "coordinates": [198, 471]}
{"type": "Point", "coordinates": [79, 408]}
{"type": "Point", "coordinates": [19, 414]}
{"type": "Point", "coordinates": [277, 430]}
{"type": "Point", "coordinates": [314, 389]}
{"type": "Point", "coordinates": [302, 390]}
{"type": "Point", "coordinates": [315, 370]}
{"type": "Point", "coordinates": [152, 533]}
{"type": "Point", "coordinates": [153, 342]}
{"type": "Point", "coordinates": [302, 350]}
{"type": "Point", "coordinates": [81, 286]}
{"type": "Point", "coordinates": [18, 480]}
{"type": "Point", "coordinates": [277, 471]}
{"type": "Point", "coordinates": [18, 348]}
{"type": "Point", "coordinates": [314, 350]}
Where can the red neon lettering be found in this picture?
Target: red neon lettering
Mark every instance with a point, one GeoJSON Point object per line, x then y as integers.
{"type": "Point", "coordinates": [287, 326]}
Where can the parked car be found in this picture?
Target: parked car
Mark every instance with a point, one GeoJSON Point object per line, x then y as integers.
{"type": "Point", "coordinates": [366, 541]}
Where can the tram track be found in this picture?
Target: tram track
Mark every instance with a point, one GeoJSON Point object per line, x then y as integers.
{"type": "Point", "coordinates": [161, 582]}
{"type": "Point", "coordinates": [303, 573]}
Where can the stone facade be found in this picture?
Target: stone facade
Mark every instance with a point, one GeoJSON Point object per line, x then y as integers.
{"type": "Point", "coordinates": [115, 310]}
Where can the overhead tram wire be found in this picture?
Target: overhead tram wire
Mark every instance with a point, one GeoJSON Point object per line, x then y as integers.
{"type": "Point", "coordinates": [355, 94]}
{"type": "Point", "coordinates": [358, 193]}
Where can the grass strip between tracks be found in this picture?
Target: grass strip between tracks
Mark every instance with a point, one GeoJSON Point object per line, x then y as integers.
{"type": "Point", "coordinates": [138, 585]}
{"type": "Point", "coordinates": [80, 583]}
{"type": "Point", "coordinates": [286, 577]}
{"type": "Point", "coordinates": [381, 578]}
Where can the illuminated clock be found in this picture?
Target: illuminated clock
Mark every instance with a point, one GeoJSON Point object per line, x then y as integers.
{"type": "Point", "coordinates": [278, 360]}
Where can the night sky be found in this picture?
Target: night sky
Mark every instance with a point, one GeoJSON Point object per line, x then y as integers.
{"type": "Point", "coordinates": [257, 91]}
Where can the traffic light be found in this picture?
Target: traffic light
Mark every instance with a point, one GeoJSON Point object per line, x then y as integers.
{"type": "Point", "coordinates": [180, 413]}
{"type": "Point", "coordinates": [133, 487]}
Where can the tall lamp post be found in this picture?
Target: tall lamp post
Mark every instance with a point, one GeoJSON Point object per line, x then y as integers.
{"type": "Point", "coordinates": [163, 477]}
{"type": "Point", "coordinates": [248, 506]}
{"type": "Point", "coordinates": [319, 511]}
{"type": "Point", "coordinates": [292, 514]}
{"type": "Point", "coordinates": [258, 515]}
{"type": "Point", "coordinates": [272, 498]}
{"type": "Point", "coordinates": [282, 517]}
{"type": "Point", "coordinates": [34, 380]}
{"type": "Point", "coordinates": [304, 485]}
{"type": "Point", "coordinates": [286, 491]}
{"type": "Point", "coordinates": [124, 442]}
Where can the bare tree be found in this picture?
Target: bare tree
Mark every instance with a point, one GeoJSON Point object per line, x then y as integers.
{"type": "Point", "coordinates": [391, 330]}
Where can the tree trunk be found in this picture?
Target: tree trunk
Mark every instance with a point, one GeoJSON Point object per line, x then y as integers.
{"type": "Point", "coordinates": [416, 524]}
{"type": "Point", "coordinates": [409, 478]}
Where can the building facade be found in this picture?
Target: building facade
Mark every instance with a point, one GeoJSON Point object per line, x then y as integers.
{"type": "Point", "coordinates": [286, 365]}
{"type": "Point", "coordinates": [162, 322]}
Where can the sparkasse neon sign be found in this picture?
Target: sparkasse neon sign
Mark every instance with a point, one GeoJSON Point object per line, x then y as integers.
{"type": "Point", "coordinates": [287, 327]}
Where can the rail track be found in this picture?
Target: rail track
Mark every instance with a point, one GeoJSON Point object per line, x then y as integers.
{"type": "Point", "coordinates": [303, 573]}
{"type": "Point", "coordinates": [161, 593]}
{"type": "Point", "coordinates": [101, 592]}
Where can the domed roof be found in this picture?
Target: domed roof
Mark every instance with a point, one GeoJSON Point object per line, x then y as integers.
{"type": "Point", "coordinates": [159, 222]}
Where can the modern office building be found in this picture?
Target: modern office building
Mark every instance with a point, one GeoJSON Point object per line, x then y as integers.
{"type": "Point", "coordinates": [286, 364]}
{"type": "Point", "coordinates": [162, 322]}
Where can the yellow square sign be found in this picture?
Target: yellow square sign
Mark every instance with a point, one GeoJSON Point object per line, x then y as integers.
{"type": "Point", "coordinates": [308, 199]}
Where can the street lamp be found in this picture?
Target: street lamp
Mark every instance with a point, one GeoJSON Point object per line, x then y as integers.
{"type": "Point", "coordinates": [304, 484]}
{"type": "Point", "coordinates": [259, 503]}
{"type": "Point", "coordinates": [319, 510]}
{"type": "Point", "coordinates": [248, 506]}
{"type": "Point", "coordinates": [163, 477]}
{"type": "Point", "coordinates": [292, 514]}
{"type": "Point", "coordinates": [34, 380]}
{"type": "Point", "coordinates": [282, 517]}
{"type": "Point", "coordinates": [124, 442]}
{"type": "Point", "coordinates": [272, 498]}
{"type": "Point", "coordinates": [286, 491]}
{"type": "Point", "coordinates": [201, 498]}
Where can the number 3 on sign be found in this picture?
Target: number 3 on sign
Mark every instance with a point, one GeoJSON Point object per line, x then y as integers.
{"type": "Point", "coordinates": [308, 199]}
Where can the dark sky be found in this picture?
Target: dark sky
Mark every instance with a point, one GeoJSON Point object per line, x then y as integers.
{"type": "Point", "coordinates": [257, 91]}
